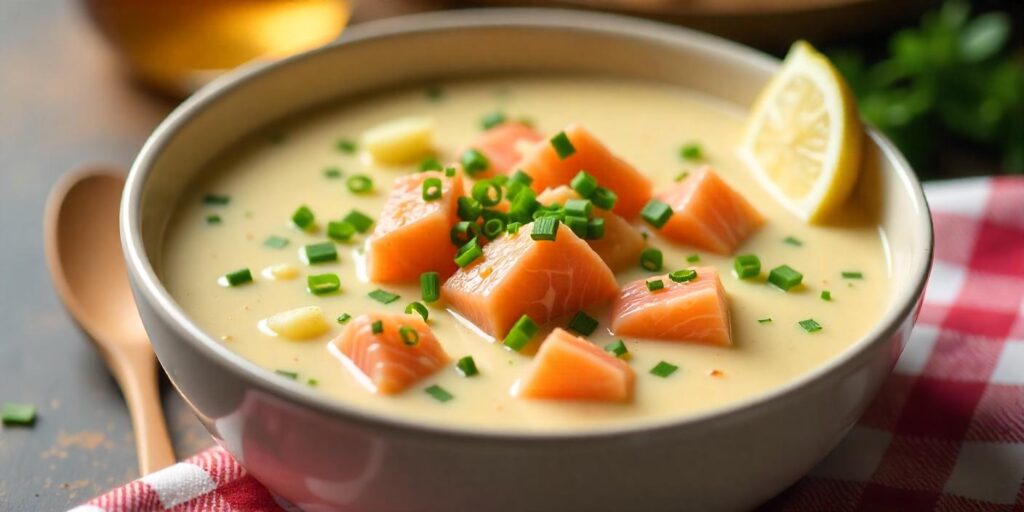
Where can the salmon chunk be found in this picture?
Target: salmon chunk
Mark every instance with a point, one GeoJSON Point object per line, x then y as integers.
{"type": "Point", "coordinates": [503, 146]}
{"type": "Point", "coordinates": [518, 276]}
{"type": "Point", "coordinates": [708, 214]}
{"type": "Point", "coordinates": [412, 234]}
{"type": "Point", "coordinates": [570, 368]}
{"type": "Point", "coordinates": [621, 245]}
{"type": "Point", "coordinates": [696, 310]}
{"type": "Point", "coordinates": [549, 169]}
{"type": "Point", "coordinates": [404, 352]}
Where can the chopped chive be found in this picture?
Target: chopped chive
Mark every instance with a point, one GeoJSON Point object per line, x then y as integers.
{"type": "Point", "coordinates": [347, 146]}
{"type": "Point", "coordinates": [492, 119]}
{"type": "Point", "coordinates": [747, 266]}
{"type": "Point", "coordinates": [663, 369]}
{"type": "Point", "coordinates": [236, 278]}
{"type": "Point", "coordinates": [287, 374]}
{"type": "Point", "coordinates": [469, 208]}
{"type": "Point", "coordinates": [578, 207]}
{"type": "Point", "coordinates": [655, 284]}
{"type": "Point", "coordinates": [486, 192]}
{"type": "Point", "coordinates": [545, 228]}
{"type": "Point", "coordinates": [343, 318]}
{"type": "Point", "coordinates": [521, 333]}
{"type": "Point", "coordinates": [359, 184]}
{"type": "Point", "coordinates": [617, 348]}
{"type": "Point", "coordinates": [449, 172]}
{"type": "Point", "coordinates": [312, 383]}
{"type": "Point", "coordinates": [275, 242]}
{"type": "Point", "coordinates": [434, 93]}
{"type": "Point", "coordinates": [563, 146]}
{"type": "Point", "coordinates": [361, 221]}
{"type": "Point", "coordinates": [852, 275]}
{"type": "Point", "coordinates": [332, 173]}
{"type": "Point", "coordinates": [682, 276]}
{"type": "Point", "coordinates": [521, 177]}
{"type": "Point", "coordinates": [432, 189]}
{"type": "Point", "coordinates": [583, 323]}
{"type": "Point", "coordinates": [691, 151]}
{"type": "Point", "coordinates": [377, 327]}
{"type": "Point", "coordinates": [418, 308]}
{"type": "Point", "coordinates": [523, 205]}
{"type": "Point", "coordinates": [826, 295]}
{"type": "Point", "coordinates": [340, 230]}
{"type": "Point", "coordinates": [493, 228]}
{"type": "Point", "coordinates": [468, 253]}
{"type": "Point", "coordinates": [430, 164]}
{"type": "Point", "coordinates": [18, 414]}
{"type": "Point", "coordinates": [303, 218]}
{"type": "Point", "coordinates": [513, 227]}
{"type": "Point", "coordinates": [439, 393]}
{"type": "Point", "coordinates": [216, 200]}
{"type": "Point", "coordinates": [693, 258]}
{"type": "Point", "coordinates": [595, 228]}
{"type": "Point", "coordinates": [321, 284]}
{"type": "Point", "coordinates": [464, 231]}
{"type": "Point", "coordinates": [473, 161]}
{"type": "Point", "coordinates": [682, 176]}
{"type": "Point", "coordinates": [810, 325]}
{"type": "Point", "coordinates": [212, 219]}
{"type": "Point", "coordinates": [656, 213]}
{"type": "Point", "coordinates": [408, 335]}
{"type": "Point", "coordinates": [651, 259]}
{"type": "Point", "coordinates": [785, 277]}
{"type": "Point", "coordinates": [322, 252]}
{"type": "Point", "coordinates": [584, 184]}
{"type": "Point", "coordinates": [792, 241]}
{"type": "Point", "coordinates": [383, 296]}
{"type": "Point", "coordinates": [467, 366]}
{"type": "Point", "coordinates": [430, 286]}
{"type": "Point", "coordinates": [578, 225]}
{"type": "Point", "coordinates": [765, 320]}
{"type": "Point", "coordinates": [604, 198]}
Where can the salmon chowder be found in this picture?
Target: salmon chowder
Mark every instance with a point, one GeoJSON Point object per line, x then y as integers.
{"type": "Point", "coordinates": [539, 253]}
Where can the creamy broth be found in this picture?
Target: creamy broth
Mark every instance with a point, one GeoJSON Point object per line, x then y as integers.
{"type": "Point", "coordinates": [268, 177]}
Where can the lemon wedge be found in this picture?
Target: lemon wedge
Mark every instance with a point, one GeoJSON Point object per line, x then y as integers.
{"type": "Point", "coordinates": [803, 138]}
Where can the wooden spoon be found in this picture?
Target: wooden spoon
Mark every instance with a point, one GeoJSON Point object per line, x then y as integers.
{"type": "Point", "coordinates": [83, 251]}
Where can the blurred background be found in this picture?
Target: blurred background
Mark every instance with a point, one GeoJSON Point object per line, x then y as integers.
{"type": "Point", "coordinates": [85, 81]}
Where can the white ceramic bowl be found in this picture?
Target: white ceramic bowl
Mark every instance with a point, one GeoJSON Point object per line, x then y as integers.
{"type": "Point", "coordinates": [323, 455]}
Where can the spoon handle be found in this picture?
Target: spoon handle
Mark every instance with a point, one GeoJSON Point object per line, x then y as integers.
{"type": "Point", "coordinates": [135, 371]}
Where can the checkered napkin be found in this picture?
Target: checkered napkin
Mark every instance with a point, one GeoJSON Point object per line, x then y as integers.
{"type": "Point", "coordinates": [945, 433]}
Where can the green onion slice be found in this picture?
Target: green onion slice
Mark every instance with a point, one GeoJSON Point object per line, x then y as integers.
{"type": "Point", "coordinates": [826, 295]}
{"type": "Point", "coordinates": [468, 253]}
{"type": "Point", "coordinates": [303, 218]}
{"type": "Point", "coordinates": [430, 164]}
{"type": "Point", "coordinates": [656, 213]}
{"type": "Point", "coordinates": [693, 258]}
{"type": "Point", "coordinates": [595, 228]}
{"type": "Point", "coordinates": [617, 348]}
{"type": "Point", "coordinates": [439, 393]}
{"type": "Point", "coordinates": [359, 184]}
{"type": "Point", "coordinates": [332, 173]}
{"type": "Point", "coordinates": [467, 366]}
{"type": "Point", "coordinates": [655, 284]}
{"type": "Point", "coordinates": [236, 278]}
{"type": "Point", "coordinates": [521, 333]}
{"type": "Point", "coordinates": [663, 369]}
{"type": "Point", "coordinates": [288, 374]}
{"type": "Point", "coordinates": [747, 266]}
{"type": "Point", "coordinates": [383, 296]}
{"type": "Point", "coordinates": [785, 277]}
{"type": "Point", "coordinates": [584, 184]}
{"type": "Point", "coordinates": [417, 308]}
{"type": "Point", "coordinates": [18, 414]}
{"type": "Point", "coordinates": [320, 253]}
{"type": "Point", "coordinates": [347, 146]}
{"type": "Point", "coordinates": [343, 318]}
{"type": "Point", "coordinates": [765, 320]}
{"type": "Point", "coordinates": [810, 325]}
{"type": "Point", "coordinates": [583, 323]}
{"type": "Point", "coordinates": [408, 335]}
{"type": "Point", "coordinates": [216, 200]}
{"type": "Point", "coordinates": [430, 286]}
{"type": "Point", "coordinates": [578, 207]}
{"type": "Point", "coordinates": [494, 227]}
{"type": "Point", "coordinates": [432, 189]}
{"type": "Point", "coordinates": [691, 151]}
{"type": "Point", "coordinates": [464, 231]}
{"type": "Point", "coordinates": [604, 198]}
{"type": "Point", "coordinates": [469, 208]}
{"type": "Point", "coordinates": [377, 327]}
{"type": "Point", "coordinates": [212, 219]}
{"type": "Point", "coordinates": [340, 230]}
{"type": "Point", "coordinates": [852, 275]}
{"type": "Point", "coordinates": [487, 193]}
{"type": "Point", "coordinates": [492, 119]}
{"type": "Point", "coordinates": [275, 242]}
{"type": "Point", "coordinates": [651, 259]}
{"type": "Point", "coordinates": [545, 228]}
{"type": "Point", "coordinates": [682, 276]}
{"type": "Point", "coordinates": [360, 220]}
{"type": "Point", "coordinates": [563, 146]}
{"type": "Point", "coordinates": [474, 162]}
{"type": "Point", "coordinates": [792, 241]}
{"type": "Point", "coordinates": [321, 284]}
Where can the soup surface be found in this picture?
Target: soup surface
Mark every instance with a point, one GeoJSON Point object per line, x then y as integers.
{"type": "Point", "coordinates": [269, 175]}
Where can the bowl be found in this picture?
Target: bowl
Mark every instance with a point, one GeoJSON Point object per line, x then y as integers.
{"type": "Point", "coordinates": [321, 454]}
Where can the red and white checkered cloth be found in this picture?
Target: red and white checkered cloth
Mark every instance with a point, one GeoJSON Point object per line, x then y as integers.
{"type": "Point", "coordinates": [945, 433]}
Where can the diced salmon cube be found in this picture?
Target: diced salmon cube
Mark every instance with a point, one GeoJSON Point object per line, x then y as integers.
{"type": "Point", "coordinates": [383, 361]}
{"type": "Point", "coordinates": [621, 245]}
{"type": "Point", "coordinates": [412, 234]}
{"type": "Point", "coordinates": [696, 310]}
{"type": "Point", "coordinates": [503, 145]}
{"type": "Point", "coordinates": [549, 170]}
{"type": "Point", "coordinates": [520, 276]}
{"type": "Point", "coordinates": [707, 213]}
{"type": "Point", "coordinates": [570, 368]}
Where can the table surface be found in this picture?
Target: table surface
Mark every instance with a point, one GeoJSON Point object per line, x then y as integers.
{"type": "Point", "coordinates": [64, 101]}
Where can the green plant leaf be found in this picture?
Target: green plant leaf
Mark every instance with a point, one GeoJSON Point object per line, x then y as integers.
{"type": "Point", "coordinates": [984, 36]}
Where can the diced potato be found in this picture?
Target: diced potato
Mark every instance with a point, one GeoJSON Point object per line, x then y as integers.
{"type": "Point", "coordinates": [283, 271]}
{"type": "Point", "coordinates": [400, 141]}
{"type": "Point", "coordinates": [299, 324]}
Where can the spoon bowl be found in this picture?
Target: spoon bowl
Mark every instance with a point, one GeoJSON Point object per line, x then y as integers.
{"type": "Point", "coordinates": [83, 252]}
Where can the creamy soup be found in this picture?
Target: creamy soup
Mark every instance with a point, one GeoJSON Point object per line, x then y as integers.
{"type": "Point", "coordinates": [269, 175]}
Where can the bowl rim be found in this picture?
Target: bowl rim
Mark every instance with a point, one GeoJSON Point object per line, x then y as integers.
{"type": "Point", "coordinates": [149, 288]}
